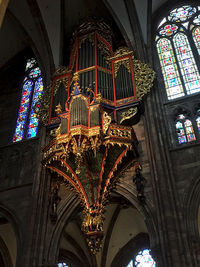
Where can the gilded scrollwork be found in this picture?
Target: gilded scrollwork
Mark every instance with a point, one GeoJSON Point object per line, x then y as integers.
{"type": "Point", "coordinates": [144, 77]}
{"type": "Point", "coordinates": [57, 83]}
{"type": "Point", "coordinates": [58, 109]}
{"type": "Point", "coordinates": [44, 104]}
{"type": "Point", "coordinates": [125, 62]}
{"type": "Point", "coordinates": [89, 36]}
{"type": "Point", "coordinates": [128, 114]}
{"type": "Point", "coordinates": [60, 71]}
{"type": "Point", "coordinates": [121, 52]}
{"type": "Point", "coordinates": [106, 122]}
{"type": "Point", "coordinates": [92, 24]}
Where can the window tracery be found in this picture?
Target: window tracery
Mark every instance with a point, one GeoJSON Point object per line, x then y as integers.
{"type": "Point", "coordinates": [32, 89]}
{"type": "Point", "coordinates": [178, 35]}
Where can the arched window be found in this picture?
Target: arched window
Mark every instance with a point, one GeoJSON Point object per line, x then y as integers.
{"type": "Point", "coordinates": [32, 89]}
{"type": "Point", "coordinates": [178, 46]}
{"type": "Point", "coordinates": [142, 259]}
{"type": "Point", "coordinates": [184, 130]}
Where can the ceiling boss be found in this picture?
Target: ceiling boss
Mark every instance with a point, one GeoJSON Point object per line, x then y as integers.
{"type": "Point", "coordinates": [93, 104]}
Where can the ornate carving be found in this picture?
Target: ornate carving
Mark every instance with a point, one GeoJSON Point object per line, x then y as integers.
{"type": "Point", "coordinates": [89, 36]}
{"type": "Point", "coordinates": [58, 109]}
{"type": "Point", "coordinates": [57, 83]}
{"type": "Point", "coordinates": [106, 122]}
{"type": "Point", "coordinates": [60, 71]}
{"type": "Point", "coordinates": [125, 62]}
{"type": "Point", "coordinates": [94, 24]}
{"type": "Point", "coordinates": [122, 57]}
{"type": "Point", "coordinates": [144, 77]}
{"type": "Point", "coordinates": [128, 114]}
{"type": "Point", "coordinates": [98, 98]}
{"type": "Point", "coordinates": [106, 52]}
{"type": "Point", "coordinates": [121, 52]}
{"type": "Point", "coordinates": [75, 79]}
{"type": "Point", "coordinates": [44, 102]}
{"type": "Point", "coordinates": [92, 226]}
{"type": "Point", "coordinates": [54, 201]}
{"type": "Point", "coordinates": [139, 181]}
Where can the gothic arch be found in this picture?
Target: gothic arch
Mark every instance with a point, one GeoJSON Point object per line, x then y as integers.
{"type": "Point", "coordinates": [71, 205]}
{"type": "Point", "coordinates": [139, 242]}
{"type": "Point", "coordinates": [4, 253]}
{"type": "Point", "coordinates": [12, 219]}
{"type": "Point", "coordinates": [146, 211]}
{"type": "Point", "coordinates": [191, 206]}
{"type": "Point", "coordinates": [65, 210]}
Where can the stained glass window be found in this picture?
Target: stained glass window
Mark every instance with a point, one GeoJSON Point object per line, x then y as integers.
{"type": "Point", "coordinates": [198, 123]}
{"type": "Point", "coordinates": [143, 259]}
{"type": "Point", "coordinates": [187, 63]}
{"type": "Point", "coordinates": [182, 14]}
{"type": "Point", "coordinates": [30, 63]}
{"type": "Point", "coordinates": [198, 120]}
{"type": "Point", "coordinates": [169, 69]}
{"type": "Point", "coordinates": [62, 264]}
{"type": "Point", "coordinates": [184, 130]}
{"type": "Point", "coordinates": [196, 37]}
{"type": "Point", "coordinates": [180, 133]}
{"type": "Point", "coordinates": [189, 131]}
{"type": "Point", "coordinates": [177, 59]}
{"type": "Point", "coordinates": [32, 89]}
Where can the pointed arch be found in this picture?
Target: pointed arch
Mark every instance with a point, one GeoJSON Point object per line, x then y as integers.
{"type": "Point", "coordinates": [184, 129]}
{"type": "Point", "coordinates": [180, 30]}
{"type": "Point", "coordinates": [32, 89]}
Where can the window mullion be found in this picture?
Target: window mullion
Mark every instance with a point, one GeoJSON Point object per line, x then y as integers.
{"type": "Point", "coordinates": [183, 123]}
{"type": "Point", "coordinates": [195, 129]}
{"type": "Point", "coordinates": [178, 67]}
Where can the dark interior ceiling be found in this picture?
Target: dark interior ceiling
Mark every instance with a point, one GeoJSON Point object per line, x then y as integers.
{"type": "Point", "coordinates": [76, 11]}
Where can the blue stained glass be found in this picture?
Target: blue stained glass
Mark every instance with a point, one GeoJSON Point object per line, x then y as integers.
{"type": "Point", "coordinates": [35, 73]}
{"type": "Point", "coordinates": [184, 130]}
{"type": "Point", "coordinates": [33, 120]}
{"type": "Point", "coordinates": [27, 114]}
{"type": "Point", "coordinates": [23, 111]}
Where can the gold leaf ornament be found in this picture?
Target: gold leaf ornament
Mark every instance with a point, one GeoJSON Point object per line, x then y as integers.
{"type": "Point", "coordinates": [144, 76]}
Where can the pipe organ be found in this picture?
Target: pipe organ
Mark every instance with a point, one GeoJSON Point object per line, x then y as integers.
{"type": "Point", "coordinates": [93, 103]}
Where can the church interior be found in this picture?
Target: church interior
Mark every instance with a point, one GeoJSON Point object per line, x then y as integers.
{"type": "Point", "coordinates": [100, 133]}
